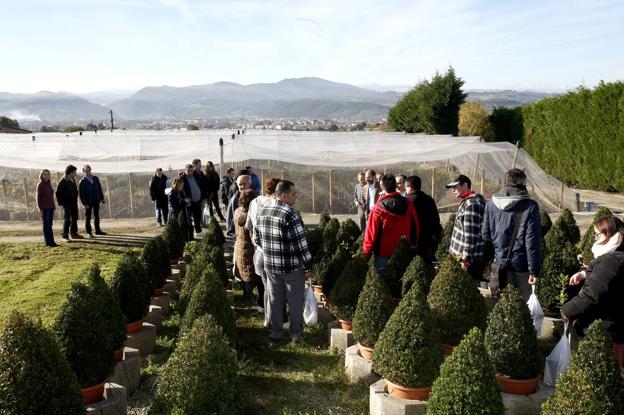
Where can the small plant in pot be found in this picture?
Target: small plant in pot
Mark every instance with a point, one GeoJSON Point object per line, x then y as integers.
{"type": "Point", "coordinates": [81, 329]}
{"type": "Point", "coordinates": [172, 235]}
{"type": "Point", "coordinates": [560, 257]}
{"type": "Point", "coordinates": [348, 234]}
{"type": "Point", "coordinates": [35, 377]}
{"type": "Point", "coordinates": [129, 293]}
{"type": "Point", "coordinates": [511, 342]}
{"type": "Point", "coordinates": [408, 353]}
{"type": "Point", "coordinates": [328, 270]}
{"type": "Point", "coordinates": [418, 271]}
{"type": "Point", "coordinates": [374, 308]}
{"type": "Point", "coordinates": [344, 296]}
{"type": "Point", "coordinates": [153, 263]}
{"type": "Point", "coordinates": [456, 303]}
{"type": "Point", "coordinates": [397, 264]}
{"type": "Point", "coordinates": [467, 383]}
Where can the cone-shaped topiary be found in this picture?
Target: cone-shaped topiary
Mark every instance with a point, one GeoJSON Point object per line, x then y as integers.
{"type": "Point", "coordinates": [397, 264]}
{"type": "Point", "coordinates": [113, 317]}
{"type": "Point", "coordinates": [330, 234]}
{"type": "Point", "coordinates": [209, 298]}
{"type": "Point", "coordinates": [418, 270]}
{"type": "Point", "coordinates": [137, 269]}
{"type": "Point", "coordinates": [324, 219]}
{"type": "Point", "coordinates": [314, 238]}
{"type": "Point", "coordinates": [567, 224]}
{"type": "Point", "coordinates": [359, 243]}
{"type": "Point", "coordinates": [35, 377]}
{"type": "Point", "coordinates": [467, 383]}
{"type": "Point", "coordinates": [510, 337]}
{"type": "Point", "coordinates": [191, 248]}
{"type": "Point", "coordinates": [152, 263]}
{"type": "Point", "coordinates": [348, 234]}
{"type": "Point", "coordinates": [445, 241]}
{"type": "Point", "coordinates": [409, 352]}
{"type": "Point", "coordinates": [592, 383]}
{"type": "Point", "coordinates": [163, 255]}
{"type": "Point", "coordinates": [183, 227]}
{"type": "Point", "coordinates": [374, 308]}
{"type": "Point", "coordinates": [345, 293]}
{"type": "Point", "coordinates": [171, 234]}
{"type": "Point", "coordinates": [214, 234]}
{"type": "Point", "coordinates": [456, 303]}
{"type": "Point", "coordinates": [128, 291]}
{"type": "Point", "coordinates": [217, 260]}
{"type": "Point", "coordinates": [328, 270]}
{"type": "Point", "coordinates": [81, 330]}
{"type": "Point", "coordinates": [559, 258]}
{"type": "Point", "coordinates": [588, 238]}
{"type": "Point", "coordinates": [545, 221]}
{"type": "Point", "coordinates": [201, 375]}
{"type": "Point", "coordinates": [193, 275]}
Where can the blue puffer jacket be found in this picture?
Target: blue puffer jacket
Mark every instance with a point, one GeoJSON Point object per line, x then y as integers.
{"type": "Point", "coordinates": [498, 225]}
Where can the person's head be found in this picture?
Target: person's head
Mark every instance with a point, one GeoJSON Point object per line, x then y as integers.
{"type": "Point", "coordinates": [361, 178]}
{"type": "Point", "coordinates": [605, 228]}
{"type": "Point", "coordinates": [177, 184]}
{"type": "Point", "coordinates": [269, 185]}
{"type": "Point", "coordinates": [400, 182]}
{"type": "Point", "coordinates": [379, 177]}
{"type": "Point", "coordinates": [243, 182]}
{"type": "Point", "coordinates": [189, 170]}
{"type": "Point", "coordinates": [229, 172]}
{"type": "Point", "coordinates": [209, 167]}
{"type": "Point", "coordinates": [71, 171]}
{"type": "Point", "coordinates": [460, 185]}
{"type": "Point", "coordinates": [412, 184]}
{"type": "Point", "coordinates": [286, 192]}
{"type": "Point", "coordinates": [86, 169]}
{"type": "Point", "coordinates": [388, 183]}
{"type": "Point", "coordinates": [248, 168]}
{"type": "Point", "coordinates": [44, 176]}
{"type": "Point", "coordinates": [244, 172]}
{"type": "Point", "coordinates": [245, 199]}
{"type": "Point", "coordinates": [158, 172]}
{"type": "Point", "coordinates": [516, 178]}
{"type": "Point", "coordinates": [196, 164]}
{"type": "Point", "coordinates": [370, 176]}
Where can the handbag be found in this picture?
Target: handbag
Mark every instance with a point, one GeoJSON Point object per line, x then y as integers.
{"type": "Point", "coordinates": [498, 272]}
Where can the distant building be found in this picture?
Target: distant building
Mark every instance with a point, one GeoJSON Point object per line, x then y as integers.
{"type": "Point", "coordinates": [7, 130]}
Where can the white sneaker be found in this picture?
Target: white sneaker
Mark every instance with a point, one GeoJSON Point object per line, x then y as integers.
{"type": "Point", "coordinates": [286, 325]}
{"type": "Point", "coordinates": [200, 235]}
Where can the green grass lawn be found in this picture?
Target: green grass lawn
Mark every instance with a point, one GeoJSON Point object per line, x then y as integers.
{"type": "Point", "coordinates": [35, 280]}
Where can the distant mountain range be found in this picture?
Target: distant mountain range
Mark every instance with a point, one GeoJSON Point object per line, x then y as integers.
{"type": "Point", "coordinates": [290, 98]}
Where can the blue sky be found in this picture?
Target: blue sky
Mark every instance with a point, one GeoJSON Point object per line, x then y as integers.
{"type": "Point", "coordinates": [88, 45]}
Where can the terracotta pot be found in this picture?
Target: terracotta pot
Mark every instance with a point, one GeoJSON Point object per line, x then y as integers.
{"type": "Point", "coordinates": [448, 349]}
{"type": "Point", "coordinates": [173, 262]}
{"type": "Point", "coordinates": [158, 292]}
{"type": "Point", "coordinates": [93, 394]}
{"type": "Point", "coordinates": [134, 327]}
{"type": "Point", "coordinates": [402, 392]}
{"type": "Point", "coordinates": [517, 386]}
{"type": "Point", "coordinates": [365, 352]}
{"type": "Point", "coordinates": [118, 354]}
{"type": "Point", "coordinates": [318, 289]}
{"type": "Point", "coordinates": [345, 325]}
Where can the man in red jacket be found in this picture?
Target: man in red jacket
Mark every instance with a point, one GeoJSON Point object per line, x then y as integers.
{"type": "Point", "coordinates": [392, 218]}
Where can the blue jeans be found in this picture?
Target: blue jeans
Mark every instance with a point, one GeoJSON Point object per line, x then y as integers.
{"type": "Point", "coordinates": [162, 212]}
{"type": "Point", "coordinates": [48, 217]}
{"type": "Point", "coordinates": [380, 264]}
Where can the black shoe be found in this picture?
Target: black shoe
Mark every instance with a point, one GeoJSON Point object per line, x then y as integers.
{"type": "Point", "coordinates": [298, 340]}
{"type": "Point", "coordinates": [90, 235]}
{"type": "Point", "coordinates": [273, 344]}
{"type": "Point", "coordinates": [52, 245]}
{"type": "Point", "coordinates": [100, 233]}
{"type": "Point", "coordinates": [66, 238]}
{"type": "Point", "coordinates": [77, 236]}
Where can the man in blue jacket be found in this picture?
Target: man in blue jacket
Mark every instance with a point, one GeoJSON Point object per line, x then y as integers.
{"type": "Point", "coordinates": [510, 204]}
{"type": "Point", "coordinates": [91, 196]}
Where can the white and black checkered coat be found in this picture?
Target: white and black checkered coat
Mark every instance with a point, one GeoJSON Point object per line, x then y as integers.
{"type": "Point", "coordinates": [466, 240]}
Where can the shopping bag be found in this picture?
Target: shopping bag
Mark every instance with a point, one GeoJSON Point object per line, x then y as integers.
{"type": "Point", "coordinates": [558, 360]}
{"type": "Point", "coordinates": [310, 308]}
{"type": "Point", "coordinates": [536, 311]}
{"type": "Point", "coordinates": [205, 219]}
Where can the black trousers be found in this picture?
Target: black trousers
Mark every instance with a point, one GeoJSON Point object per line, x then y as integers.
{"type": "Point", "coordinates": [196, 212]}
{"type": "Point", "coordinates": [70, 219]}
{"type": "Point", "coordinates": [213, 199]}
{"type": "Point", "coordinates": [95, 208]}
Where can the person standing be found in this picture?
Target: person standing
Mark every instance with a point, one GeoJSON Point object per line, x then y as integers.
{"type": "Point", "coordinates": [243, 182]}
{"type": "Point", "coordinates": [287, 260]}
{"type": "Point", "coordinates": [400, 184]}
{"type": "Point", "coordinates": [91, 195]}
{"type": "Point", "coordinates": [255, 181]}
{"type": "Point", "coordinates": [157, 187]}
{"type": "Point", "coordinates": [212, 189]}
{"type": "Point", "coordinates": [45, 205]}
{"type": "Point", "coordinates": [224, 187]}
{"type": "Point", "coordinates": [509, 209]}
{"type": "Point", "coordinates": [245, 250]}
{"type": "Point", "coordinates": [427, 212]}
{"type": "Point", "coordinates": [67, 196]}
{"type": "Point", "coordinates": [372, 189]}
{"type": "Point", "coordinates": [179, 206]}
{"type": "Point", "coordinates": [193, 193]}
{"type": "Point", "coordinates": [466, 242]}
{"type": "Point", "coordinates": [360, 200]}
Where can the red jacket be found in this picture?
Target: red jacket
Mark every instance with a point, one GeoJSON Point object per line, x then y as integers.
{"type": "Point", "coordinates": [392, 217]}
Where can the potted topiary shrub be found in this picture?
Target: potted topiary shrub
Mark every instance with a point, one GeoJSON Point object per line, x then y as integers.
{"type": "Point", "coordinates": [567, 224]}
{"type": "Point", "coordinates": [328, 271]}
{"type": "Point", "coordinates": [201, 375]}
{"type": "Point", "coordinates": [193, 275]}
{"type": "Point", "coordinates": [171, 235]}
{"type": "Point", "coordinates": [81, 329]}
{"type": "Point", "coordinates": [445, 240]}
{"type": "Point", "coordinates": [314, 238]}
{"type": "Point", "coordinates": [374, 308]}
{"type": "Point", "coordinates": [129, 293]}
{"type": "Point", "coordinates": [217, 260]}
{"type": "Point", "coordinates": [163, 255]}
{"type": "Point", "coordinates": [330, 233]}
{"type": "Point", "coordinates": [214, 234]}
{"type": "Point", "coordinates": [546, 222]}
{"type": "Point", "coordinates": [345, 293]}
{"type": "Point", "coordinates": [348, 233]}
{"type": "Point", "coordinates": [397, 264]}
{"type": "Point", "coordinates": [588, 238]}
{"type": "Point", "coordinates": [418, 271]}
{"type": "Point", "coordinates": [408, 353]}
{"type": "Point", "coordinates": [153, 263]}
{"type": "Point", "coordinates": [35, 377]}
{"type": "Point", "coordinates": [511, 342]}
{"type": "Point", "coordinates": [467, 385]}
{"type": "Point", "coordinates": [593, 383]}
{"type": "Point", "coordinates": [324, 219]}
{"type": "Point", "coordinates": [456, 303]}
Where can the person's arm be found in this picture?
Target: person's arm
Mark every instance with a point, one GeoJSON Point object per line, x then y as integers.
{"type": "Point", "coordinates": [100, 191]}
{"type": "Point", "coordinates": [355, 196]}
{"type": "Point", "coordinates": [152, 188]}
{"type": "Point", "coordinates": [473, 217]}
{"type": "Point", "coordinates": [39, 196]}
{"type": "Point", "coordinates": [81, 192]}
{"type": "Point", "coordinates": [533, 240]}
{"type": "Point", "coordinates": [594, 291]}
{"type": "Point", "coordinates": [60, 195]}
{"type": "Point", "coordinates": [229, 218]}
{"type": "Point", "coordinates": [300, 244]}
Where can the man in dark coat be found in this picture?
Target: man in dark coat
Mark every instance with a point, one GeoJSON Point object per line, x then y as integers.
{"type": "Point", "coordinates": [194, 194]}
{"type": "Point", "coordinates": [427, 212]}
{"type": "Point", "coordinates": [67, 196]}
{"type": "Point", "coordinates": [224, 187]}
{"type": "Point", "coordinates": [212, 188]}
{"type": "Point", "coordinates": [157, 187]}
{"type": "Point", "coordinates": [91, 196]}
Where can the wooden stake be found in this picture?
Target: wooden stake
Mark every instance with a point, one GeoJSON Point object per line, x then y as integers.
{"type": "Point", "coordinates": [433, 183]}
{"type": "Point", "coordinates": [131, 195]}
{"type": "Point", "coordinates": [261, 178]}
{"type": "Point", "coordinates": [58, 211]}
{"type": "Point", "coordinates": [26, 198]}
{"type": "Point", "coordinates": [561, 195]}
{"type": "Point", "coordinates": [577, 196]}
{"type": "Point", "coordinates": [476, 169]}
{"type": "Point", "coordinates": [330, 192]}
{"type": "Point", "coordinates": [513, 163]}
{"type": "Point", "coordinates": [313, 195]}
{"type": "Point", "coordinates": [482, 181]}
{"type": "Point", "coordinates": [448, 165]}
{"type": "Point", "coordinates": [108, 198]}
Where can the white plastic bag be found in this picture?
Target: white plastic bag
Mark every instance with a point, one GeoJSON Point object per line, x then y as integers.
{"type": "Point", "coordinates": [536, 311]}
{"type": "Point", "coordinates": [205, 219]}
{"type": "Point", "coordinates": [558, 360]}
{"type": "Point", "coordinates": [310, 308]}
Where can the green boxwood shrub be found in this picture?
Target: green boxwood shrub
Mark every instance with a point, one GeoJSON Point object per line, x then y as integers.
{"type": "Point", "coordinates": [217, 259]}
{"type": "Point", "coordinates": [445, 241]}
{"type": "Point", "coordinates": [348, 234]}
{"type": "Point", "coordinates": [192, 248]}
{"type": "Point", "coordinates": [456, 303]}
{"type": "Point", "coordinates": [214, 234]}
{"type": "Point", "coordinates": [510, 337]}
{"type": "Point", "coordinates": [324, 219]}
{"type": "Point", "coordinates": [546, 222]}
{"type": "Point", "coordinates": [329, 269]}
{"type": "Point", "coordinates": [467, 383]}
{"type": "Point", "coordinates": [409, 352]}
{"type": "Point", "coordinates": [183, 228]}
{"type": "Point", "coordinates": [418, 271]}
{"type": "Point", "coordinates": [81, 329]}
{"type": "Point", "coordinates": [172, 236]}
{"type": "Point", "coordinates": [113, 317]}
{"type": "Point", "coordinates": [200, 376]}
{"type": "Point", "coordinates": [592, 383]}
{"type": "Point", "coordinates": [35, 377]}
{"type": "Point", "coordinates": [345, 293]}
{"type": "Point", "coordinates": [374, 308]}
{"type": "Point", "coordinates": [588, 238]}
{"type": "Point", "coordinates": [152, 263]}
{"type": "Point", "coordinates": [567, 224]}
{"type": "Point", "coordinates": [128, 289]}
{"type": "Point", "coordinates": [163, 255]}
{"type": "Point", "coordinates": [314, 238]}
{"type": "Point", "coordinates": [330, 237]}
{"type": "Point", "coordinates": [137, 268]}
{"type": "Point", "coordinates": [397, 264]}
{"type": "Point", "coordinates": [209, 298]}
{"type": "Point", "coordinates": [194, 273]}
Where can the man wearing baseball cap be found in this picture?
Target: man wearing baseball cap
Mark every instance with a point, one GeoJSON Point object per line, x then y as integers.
{"type": "Point", "coordinates": [466, 241]}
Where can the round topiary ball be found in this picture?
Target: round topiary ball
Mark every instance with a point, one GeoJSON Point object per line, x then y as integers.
{"type": "Point", "coordinates": [330, 233]}
{"type": "Point", "coordinates": [35, 377]}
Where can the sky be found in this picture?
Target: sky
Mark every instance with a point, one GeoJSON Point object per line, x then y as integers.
{"type": "Point", "coordinates": [90, 45]}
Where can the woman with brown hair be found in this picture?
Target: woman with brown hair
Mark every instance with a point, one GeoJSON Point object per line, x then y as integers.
{"type": "Point", "coordinates": [45, 204]}
{"type": "Point", "coordinates": [603, 289]}
{"type": "Point", "coordinates": [244, 250]}
{"type": "Point", "coordinates": [212, 187]}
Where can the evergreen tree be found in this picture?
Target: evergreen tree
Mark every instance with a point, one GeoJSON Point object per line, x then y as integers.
{"type": "Point", "coordinates": [418, 271]}
{"type": "Point", "coordinates": [397, 264]}
{"type": "Point", "coordinates": [445, 241]}
{"type": "Point", "coordinates": [346, 291]}
{"type": "Point", "coordinates": [588, 238]}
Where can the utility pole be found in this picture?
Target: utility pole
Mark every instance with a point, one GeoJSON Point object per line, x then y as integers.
{"type": "Point", "coordinates": [112, 122]}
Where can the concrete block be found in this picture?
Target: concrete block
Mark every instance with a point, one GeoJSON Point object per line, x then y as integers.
{"type": "Point", "coordinates": [339, 338]}
{"type": "Point", "coordinates": [230, 296]}
{"type": "Point", "coordinates": [179, 269]}
{"type": "Point", "coordinates": [357, 368]}
{"type": "Point", "coordinates": [527, 405]}
{"type": "Point", "coordinates": [548, 327]}
{"type": "Point", "coordinates": [162, 302]}
{"type": "Point", "coordinates": [155, 317]}
{"type": "Point", "coordinates": [114, 403]}
{"type": "Point", "coordinates": [127, 373]}
{"type": "Point", "coordinates": [381, 403]}
{"type": "Point", "coordinates": [171, 287]}
{"type": "Point", "coordinates": [143, 340]}
{"type": "Point", "coordinates": [325, 316]}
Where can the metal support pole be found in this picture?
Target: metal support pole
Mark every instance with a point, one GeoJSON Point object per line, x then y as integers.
{"type": "Point", "coordinates": [433, 183]}
{"type": "Point", "coordinates": [476, 169]}
{"type": "Point", "coordinates": [131, 195]}
{"type": "Point", "coordinates": [313, 194]}
{"type": "Point", "coordinates": [221, 157]}
{"type": "Point", "coordinates": [108, 197]}
{"type": "Point", "coordinates": [513, 164]}
{"type": "Point", "coordinates": [330, 192]}
{"type": "Point", "coordinates": [578, 201]}
{"type": "Point", "coordinates": [482, 181]}
{"type": "Point", "coordinates": [26, 198]}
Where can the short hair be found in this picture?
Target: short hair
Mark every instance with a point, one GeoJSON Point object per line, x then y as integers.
{"type": "Point", "coordinates": [243, 172]}
{"type": "Point", "coordinates": [229, 170]}
{"type": "Point", "coordinates": [270, 184]}
{"type": "Point", "coordinates": [70, 169]}
{"type": "Point", "coordinates": [414, 182]}
{"type": "Point", "coordinates": [361, 173]}
{"type": "Point", "coordinates": [245, 199]}
{"type": "Point", "coordinates": [176, 182]}
{"type": "Point", "coordinates": [243, 176]}
{"type": "Point", "coordinates": [247, 167]}
{"type": "Point", "coordinates": [85, 167]}
{"type": "Point", "coordinates": [371, 172]}
{"type": "Point", "coordinates": [389, 183]}
{"type": "Point", "coordinates": [41, 174]}
{"type": "Point", "coordinates": [158, 169]}
{"type": "Point", "coordinates": [515, 177]}
{"type": "Point", "coordinates": [284, 186]}
{"type": "Point", "coordinates": [404, 177]}
{"type": "Point", "coordinates": [188, 166]}
{"type": "Point", "coordinates": [195, 161]}
{"type": "Point", "coordinates": [609, 226]}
